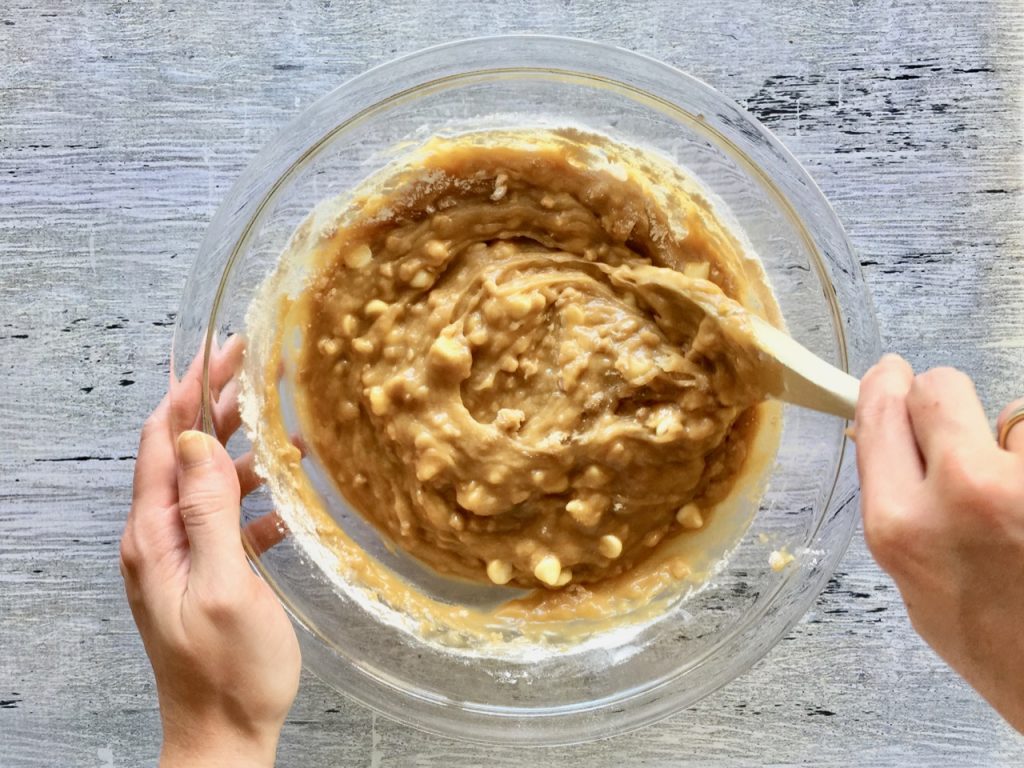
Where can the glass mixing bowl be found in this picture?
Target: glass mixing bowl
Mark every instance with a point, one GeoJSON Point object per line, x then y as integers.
{"type": "Point", "coordinates": [809, 507]}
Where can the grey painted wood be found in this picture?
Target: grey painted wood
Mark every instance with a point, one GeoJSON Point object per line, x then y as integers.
{"type": "Point", "coordinates": [121, 126]}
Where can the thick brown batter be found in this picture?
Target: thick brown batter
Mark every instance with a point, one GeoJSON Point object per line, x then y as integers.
{"type": "Point", "coordinates": [488, 383]}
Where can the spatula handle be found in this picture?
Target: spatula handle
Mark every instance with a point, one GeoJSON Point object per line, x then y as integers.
{"type": "Point", "coordinates": [809, 381]}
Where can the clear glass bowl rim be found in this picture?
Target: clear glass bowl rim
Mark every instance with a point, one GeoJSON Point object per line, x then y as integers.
{"type": "Point", "coordinates": [238, 217]}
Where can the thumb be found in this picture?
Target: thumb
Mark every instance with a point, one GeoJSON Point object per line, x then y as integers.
{"type": "Point", "coordinates": [208, 499]}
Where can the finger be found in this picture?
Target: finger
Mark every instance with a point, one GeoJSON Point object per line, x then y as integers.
{"type": "Point", "coordinates": [208, 502]}
{"type": "Point", "coordinates": [186, 396]}
{"type": "Point", "coordinates": [945, 413]}
{"type": "Point", "coordinates": [153, 535]}
{"type": "Point", "coordinates": [265, 532]}
{"type": "Point", "coordinates": [154, 549]}
{"type": "Point", "coordinates": [1015, 437]}
{"type": "Point", "coordinates": [248, 479]}
{"type": "Point", "coordinates": [887, 455]}
{"type": "Point", "coordinates": [225, 362]}
{"type": "Point", "coordinates": [226, 415]}
{"type": "Point", "coordinates": [154, 483]}
{"type": "Point", "coordinates": [187, 392]}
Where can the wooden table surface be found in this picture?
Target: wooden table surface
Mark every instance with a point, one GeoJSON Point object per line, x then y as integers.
{"type": "Point", "coordinates": [121, 127]}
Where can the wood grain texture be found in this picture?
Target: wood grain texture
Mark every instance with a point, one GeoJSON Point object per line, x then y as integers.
{"type": "Point", "coordinates": [121, 126]}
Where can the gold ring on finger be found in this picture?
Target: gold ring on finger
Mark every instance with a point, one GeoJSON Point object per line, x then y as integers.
{"type": "Point", "coordinates": [1016, 415]}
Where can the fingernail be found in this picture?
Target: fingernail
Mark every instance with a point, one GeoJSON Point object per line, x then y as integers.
{"type": "Point", "coordinates": [193, 448]}
{"type": "Point", "coordinates": [890, 357]}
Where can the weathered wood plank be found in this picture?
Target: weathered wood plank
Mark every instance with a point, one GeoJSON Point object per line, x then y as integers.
{"type": "Point", "coordinates": [121, 127]}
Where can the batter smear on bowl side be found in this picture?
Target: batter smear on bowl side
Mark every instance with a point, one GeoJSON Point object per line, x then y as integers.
{"type": "Point", "coordinates": [484, 381]}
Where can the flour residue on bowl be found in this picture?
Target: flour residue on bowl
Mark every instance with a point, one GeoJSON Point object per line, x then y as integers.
{"type": "Point", "coordinates": [470, 379]}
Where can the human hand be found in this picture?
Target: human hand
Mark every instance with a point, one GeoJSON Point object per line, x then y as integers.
{"type": "Point", "coordinates": [224, 654]}
{"type": "Point", "coordinates": [943, 509]}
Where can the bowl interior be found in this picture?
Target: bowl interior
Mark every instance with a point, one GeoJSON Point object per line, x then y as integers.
{"type": "Point", "coordinates": [630, 677]}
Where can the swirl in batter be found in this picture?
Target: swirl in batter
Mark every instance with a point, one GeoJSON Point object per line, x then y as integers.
{"type": "Point", "coordinates": [486, 383]}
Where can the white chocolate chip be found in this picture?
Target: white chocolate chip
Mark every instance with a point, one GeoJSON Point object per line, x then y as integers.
{"type": "Point", "coordinates": [518, 306]}
{"type": "Point", "coordinates": [549, 480]}
{"type": "Point", "coordinates": [429, 466]}
{"type": "Point", "coordinates": [575, 508]}
{"type": "Point", "coordinates": [610, 546]}
{"type": "Point", "coordinates": [678, 568]}
{"type": "Point", "coordinates": [586, 513]}
{"type": "Point", "coordinates": [649, 338]}
{"type": "Point", "coordinates": [635, 369]}
{"type": "Point", "coordinates": [436, 251]}
{"type": "Point", "coordinates": [595, 476]}
{"type": "Point", "coordinates": [499, 571]}
{"type": "Point", "coordinates": [548, 570]}
{"type": "Point", "coordinates": [573, 315]}
{"type": "Point", "coordinates": [500, 187]}
{"type": "Point", "coordinates": [358, 257]}
{"type": "Point", "coordinates": [421, 279]}
{"type": "Point", "coordinates": [380, 403]}
{"type": "Point", "coordinates": [689, 517]}
{"type": "Point", "coordinates": [328, 346]}
{"type": "Point", "coordinates": [451, 355]}
{"type": "Point", "coordinates": [668, 420]}
{"type": "Point", "coordinates": [374, 308]}
{"type": "Point", "coordinates": [363, 345]}
{"type": "Point", "coordinates": [494, 311]}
